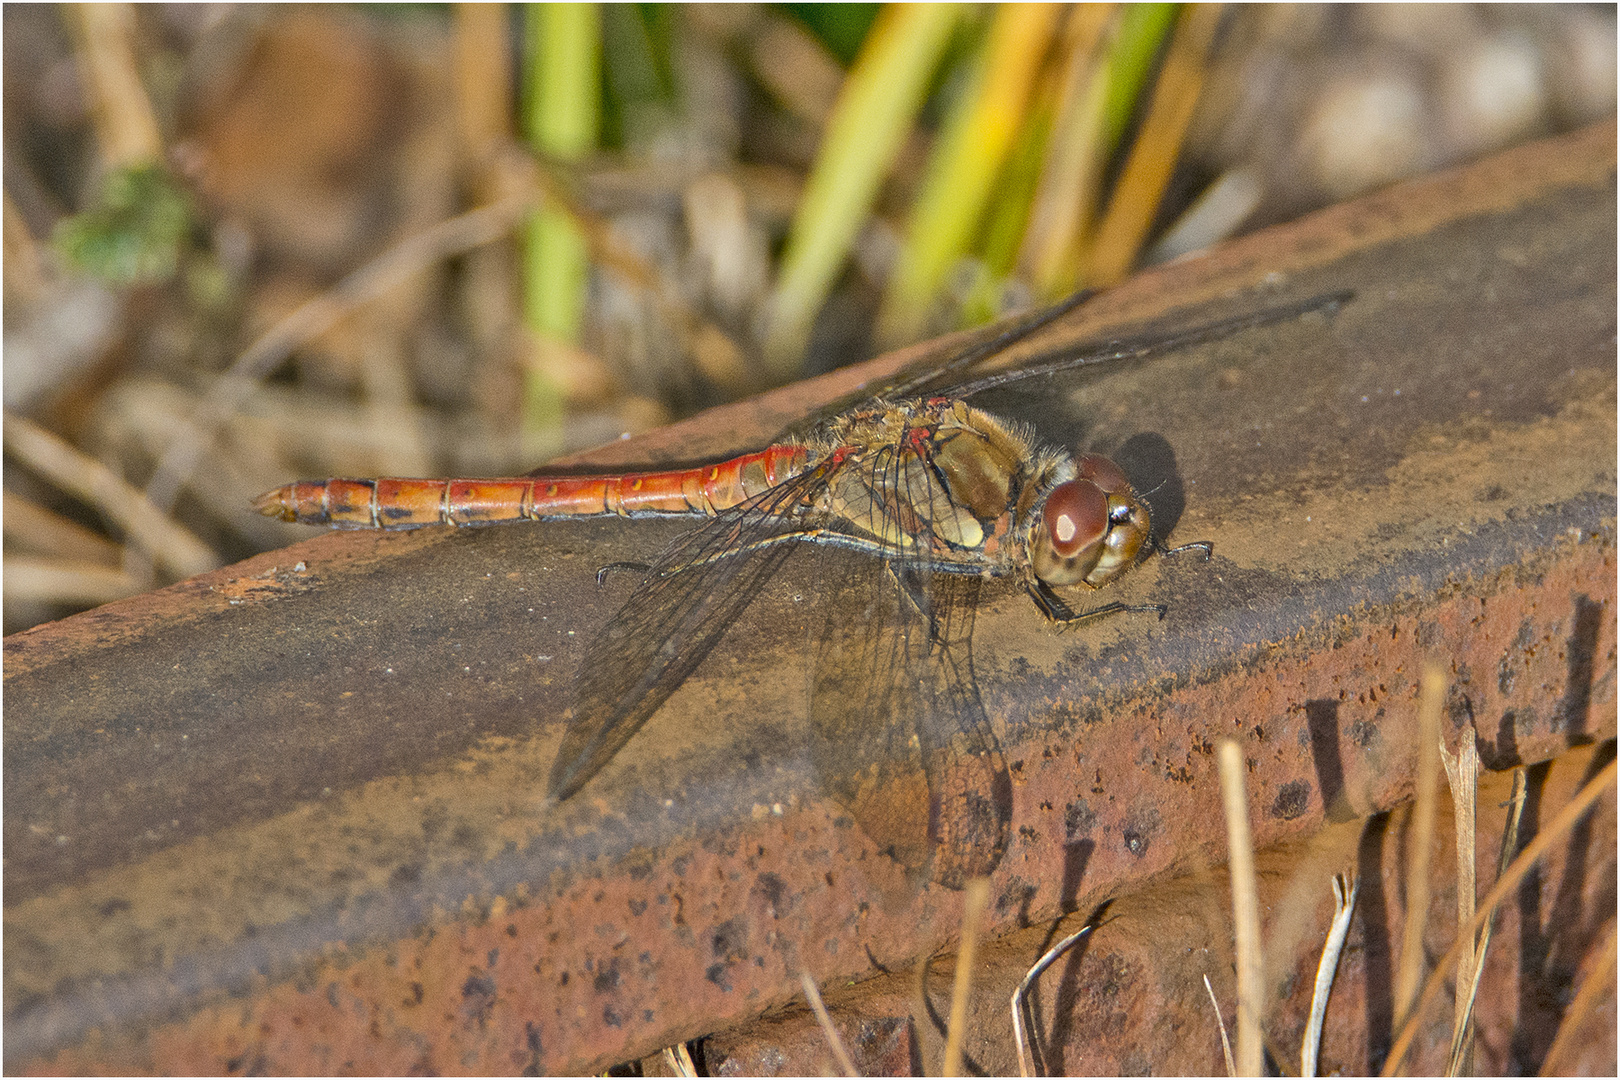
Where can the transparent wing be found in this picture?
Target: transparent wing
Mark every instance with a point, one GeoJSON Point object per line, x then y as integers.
{"type": "Point", "coordinates": [941, 366]}
{"type": "Point", "coordinates": [899, 733]}
{"type": "Point", "coordinates": [949, 372]}
{"type": "Point", "coordinates": [695, 590]}
{"type": "Point", "coordinates": [1155, 343]}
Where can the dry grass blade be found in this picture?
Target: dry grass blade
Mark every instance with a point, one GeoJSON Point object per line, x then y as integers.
{"type": "Point", "coordinates": [33, 528]}
{"type": "Point", "coordinates": [452, 236]}
{"type": "Point", "coordinates": [1344, 908]}
{"type": "Point", "coordinates": [678, 1059]}
{"type": "Point", "coordinates": [1462, 775]}
{"type": "Point", "coordinates": [147, 527]}
{"type": "Point", "coordinates": [1019, 995]}
{"type": "Point", "coordinates": [1510, 846]}
{"type": "Point", "coordinates": [125, 125]}
{"type": "Point", "coordinates": [813, 996]}
{"type": "Point", "coordinates": [56, 581]}
{"type": "Point", "coordinates": [1460, 1047]}
{"type": "Point", "coordinates": [1220, 1022]}
{"type": "Point", "coordinates": [1556, 829]}
{"type": "Point", "coordinates": [974, 899]}
{"type": "Point", "coordinates": [1245, 911]}
{"type": "Point", "coordinates": [1420, 838]}
{"type": "Point", "coordinates": [1588, 996]}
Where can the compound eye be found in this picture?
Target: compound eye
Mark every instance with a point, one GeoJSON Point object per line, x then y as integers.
{"type": "Point", "coordinates": [1076, 514]}
{"type": "Point", "coordinates": [1104, 473]}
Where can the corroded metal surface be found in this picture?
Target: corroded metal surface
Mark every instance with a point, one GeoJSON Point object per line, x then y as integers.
{"type": "Point", "coordinates": [293, 820]}
{"type": "Point", "coordinates": [1129, 999]}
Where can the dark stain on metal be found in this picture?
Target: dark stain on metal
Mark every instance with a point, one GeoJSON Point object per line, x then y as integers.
{"type": "Point", "coordinates": [1292, 800]}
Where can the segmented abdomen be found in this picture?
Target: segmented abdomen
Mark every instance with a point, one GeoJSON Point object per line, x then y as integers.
{"type": "Point", "coordinates": [394, 503]}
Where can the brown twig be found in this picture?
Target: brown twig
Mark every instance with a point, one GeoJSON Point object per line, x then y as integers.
{"type": "Point", "coordinates": [317, 315]}
{"type": "Point", "coordinates": [146, 526]}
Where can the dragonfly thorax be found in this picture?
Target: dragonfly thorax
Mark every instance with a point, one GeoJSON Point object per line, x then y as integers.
{"type": "Point", "coordinates": [1089, 528]}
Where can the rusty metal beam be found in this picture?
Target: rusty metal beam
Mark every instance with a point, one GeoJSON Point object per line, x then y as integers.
{"type": "Point", "coordinates": [288, 817]}
{"type": "Point", "coordinates": [1129, 998]}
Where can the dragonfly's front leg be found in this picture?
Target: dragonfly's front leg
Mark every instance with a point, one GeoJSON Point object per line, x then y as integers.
{"type": "Point", "coordinates": [1205, 546]}
{"type": "Point", "coordinates": [1053, 607]}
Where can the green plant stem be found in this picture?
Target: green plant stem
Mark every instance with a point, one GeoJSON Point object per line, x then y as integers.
{"type": "Point", "coordinates": [969, 157]}
{"type": "Point", "coordinates": [875, 111]}
{"type": "Point", "coordinates": [563, 53]}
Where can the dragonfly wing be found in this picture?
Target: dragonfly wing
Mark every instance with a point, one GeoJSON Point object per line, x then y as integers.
{"type": "Point", "coordinates": [970, 804]}
{"type": "Point", "coordinates": [942, 366]}
{"type": "Point", "coordinates": [899, 734]}
{"type": "Point", "coordinates": [679, 612]}
{"type": "Point", "coordinates": [865, 745]}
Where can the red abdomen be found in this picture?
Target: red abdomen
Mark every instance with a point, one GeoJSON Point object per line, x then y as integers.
{"type": "Point", "coordinates": [393, 503]}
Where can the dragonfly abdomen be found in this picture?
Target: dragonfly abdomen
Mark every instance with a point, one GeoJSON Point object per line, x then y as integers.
{"type": "Point", "coordinates": [400, 503]}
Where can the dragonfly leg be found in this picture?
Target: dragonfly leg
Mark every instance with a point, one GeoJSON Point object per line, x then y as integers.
{"type": "Point", "coordinates": [1205, 546]}
{"type": "Point", "coordinates": [1053, 607]}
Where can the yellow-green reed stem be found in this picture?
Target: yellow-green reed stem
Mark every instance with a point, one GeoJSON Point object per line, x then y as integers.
{"type": "Point", "coordinates": [1009, 211]}
{"type": "Point", "coordinates": [1106, 94]}
{"type": "Point", "coordinates": [1142, 30]}
{"type": "Point", "coordinates": [875, 111]}
{"type": "Point", "coordinates": [971, 152]}
{"type": "Point", "coordinates": [1153, 157]}
{"type": "Point", "coordinates": [563, 67]}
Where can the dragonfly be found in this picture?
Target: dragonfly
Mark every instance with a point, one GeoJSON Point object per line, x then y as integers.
{"type": "Point", "coordinates": [912, 497]}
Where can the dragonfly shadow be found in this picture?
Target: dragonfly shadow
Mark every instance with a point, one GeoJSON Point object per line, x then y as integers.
{"type": "Point", "coordinates": [1150, 464]}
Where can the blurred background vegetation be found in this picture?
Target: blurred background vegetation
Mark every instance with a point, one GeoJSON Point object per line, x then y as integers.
{"type": "Point", "coordinates": [247, 244]}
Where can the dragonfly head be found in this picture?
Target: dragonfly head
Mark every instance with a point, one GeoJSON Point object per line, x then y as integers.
{"type": "Point", "coordinates": [1090, 529]}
